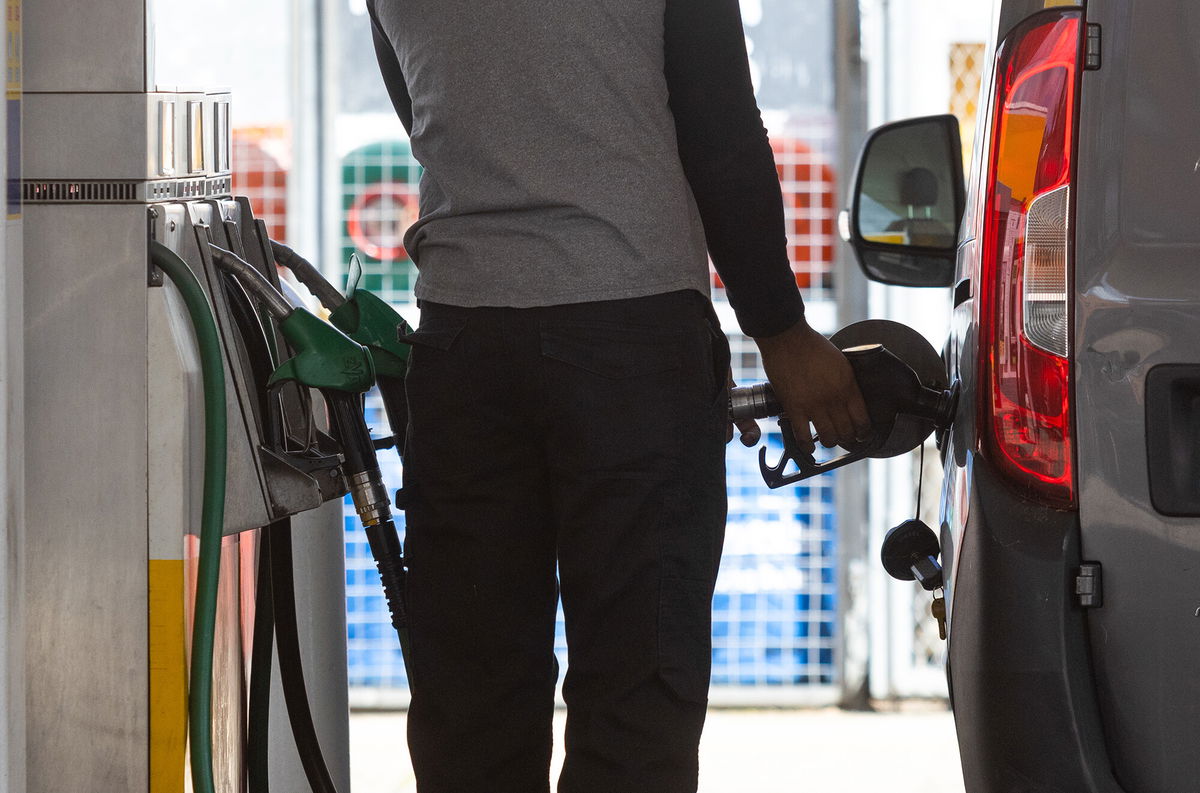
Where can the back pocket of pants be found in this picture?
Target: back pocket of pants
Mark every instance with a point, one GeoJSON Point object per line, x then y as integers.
{"type": "Point", "coordinates": [610, 350]}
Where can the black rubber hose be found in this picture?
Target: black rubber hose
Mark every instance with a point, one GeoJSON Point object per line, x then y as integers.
{"type": "Point", "coordinates": [258, 713]}
{"type": "Point", "coordinates": [255, 282]}
{"type": "Point", "coordinates": [357, 446]}
{"type": "Point", "coordinates": [258, 719]}
{"type": "Point", "coordinates": [390, 562]}
{"type": "Point", "coordinates": [395, 407]}
{"type": "Point", "coordinates": [359, 452]}
{"type": "Point", "coordinates": [307, 274]}
{"type": "Point", "coordinates": [291, 665]}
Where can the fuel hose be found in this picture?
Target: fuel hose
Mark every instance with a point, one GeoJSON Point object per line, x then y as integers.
{"type": "Point", "coordinates": [258, 712]}
{"type": "Point", "coordinates": [291, 665]}
{"type": "Point", "coordinates": [212, 516]}
{"type": "Point", "coordinates": [275, 620]}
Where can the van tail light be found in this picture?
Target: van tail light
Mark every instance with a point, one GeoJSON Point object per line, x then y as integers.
{"type": "Point", "coordinates": [1024, 295]}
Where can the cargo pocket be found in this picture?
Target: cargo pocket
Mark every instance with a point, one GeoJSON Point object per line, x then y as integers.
{"type": "Point", "coordinates": [685, 637]}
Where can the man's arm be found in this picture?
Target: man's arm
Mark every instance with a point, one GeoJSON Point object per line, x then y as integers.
{"type": "Point", "coordinates": [728, 162]}
{"type": "Point", "coordinates": [393, 78]}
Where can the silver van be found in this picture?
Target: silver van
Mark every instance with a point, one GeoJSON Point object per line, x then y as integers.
{"type": "Point", "coordinates": [1070, 515]}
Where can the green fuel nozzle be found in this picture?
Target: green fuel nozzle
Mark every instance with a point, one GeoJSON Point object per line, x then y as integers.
{"type": "Point", "coordinates": [325, 358]}
{"type": "Point", "coordinates": [373, 323]}
{"type": "Point", "coordinates": [342, 369]}
{"type": "Point", "coordinates": [370, 321]}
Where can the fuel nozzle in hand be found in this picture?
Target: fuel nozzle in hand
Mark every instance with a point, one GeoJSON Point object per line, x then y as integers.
{"type": "Point", "coordinates": [902, 381]}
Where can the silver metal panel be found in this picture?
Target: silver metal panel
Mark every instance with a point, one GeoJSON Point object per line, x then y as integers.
{"type": "Point", "coordinates": [854, 531]}
{"type": "Point", "coordinates": [175, 434]}
{"type": "Point", "coordinates": [123, 132]}
{"type": "Point", "coordinates": [86, 392]}
{"type": "Point", "coordinates": [74, 46]}
{"type": "Point", "coordinates": [1138, 305]}
{"type": "Point", "coordinates": [245, 504]}
{"type": "Point", "coordinates": [12, 479]}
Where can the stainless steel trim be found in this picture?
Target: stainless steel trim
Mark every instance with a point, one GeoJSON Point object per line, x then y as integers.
{"type": "Point", "coordinates": [370, 497]}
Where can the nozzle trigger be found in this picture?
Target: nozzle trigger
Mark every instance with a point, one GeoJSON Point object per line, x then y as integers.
{"type": "Point", "coordinates": [806, 464]}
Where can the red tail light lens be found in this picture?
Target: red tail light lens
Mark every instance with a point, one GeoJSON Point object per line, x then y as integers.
{"type": "Point", "coordinates": [1024, 296]}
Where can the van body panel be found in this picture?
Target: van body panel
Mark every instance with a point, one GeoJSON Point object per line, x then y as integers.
{"type": "Point", "coordinates": [1020, 682]}
{"type": "Point", "coordinates": [1137, 254]}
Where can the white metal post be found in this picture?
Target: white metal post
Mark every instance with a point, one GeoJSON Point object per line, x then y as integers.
{"type": "Point", "coordinates": [851, 286]}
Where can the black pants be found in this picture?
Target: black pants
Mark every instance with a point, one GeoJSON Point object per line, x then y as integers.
{"type": "Point", "coordinates": [580, 447]}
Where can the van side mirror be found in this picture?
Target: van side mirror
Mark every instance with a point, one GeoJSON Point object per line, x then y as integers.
{"type": "Point", "coordinates": [907, 202]}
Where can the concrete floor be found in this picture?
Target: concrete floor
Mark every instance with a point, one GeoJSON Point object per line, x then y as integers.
{"type": "Point", "coordinates": [908, 750]}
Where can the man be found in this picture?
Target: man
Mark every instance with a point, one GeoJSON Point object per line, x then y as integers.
{"type": "Point", "coordinates": [567, 386]}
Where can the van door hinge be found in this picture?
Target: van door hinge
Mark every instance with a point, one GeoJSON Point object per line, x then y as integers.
{"type": "Point", "coordinates": [1089, 585]}
{"type": "Point", "coordinates": [1091, 51]}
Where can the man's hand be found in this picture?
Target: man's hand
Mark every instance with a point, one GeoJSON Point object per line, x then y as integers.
{"type": "Point", "coordinates": [814, 383]}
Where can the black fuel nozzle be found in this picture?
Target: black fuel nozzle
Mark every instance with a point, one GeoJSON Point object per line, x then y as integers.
{"type": "Point", "coordinates": [891, 388]}
{"type": "Point", "coordinates": [903, 413]}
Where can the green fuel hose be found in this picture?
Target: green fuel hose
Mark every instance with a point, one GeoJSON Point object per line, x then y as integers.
{"type": "Point", "coordinates": [212, 520]}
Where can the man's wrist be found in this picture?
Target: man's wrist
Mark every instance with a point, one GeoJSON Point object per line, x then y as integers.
{"type": "Point", "coordinates": [798, 330]}
{"type": "Point", "coordinates": [768, 304]}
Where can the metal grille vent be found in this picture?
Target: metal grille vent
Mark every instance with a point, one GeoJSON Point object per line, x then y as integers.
{"type": "Point", "coordinates": [191, 188]}
{"type": "Point", "coordinates": [69, 192]}
{"type": "Point", "coordinates": [221, 186]}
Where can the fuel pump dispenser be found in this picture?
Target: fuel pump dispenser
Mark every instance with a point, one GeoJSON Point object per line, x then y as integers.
{"type": "Point", "coordinates": [141, 589]}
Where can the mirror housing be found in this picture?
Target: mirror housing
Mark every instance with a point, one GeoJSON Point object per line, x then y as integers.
{"type": "Point", "coordinates": [907, 202]}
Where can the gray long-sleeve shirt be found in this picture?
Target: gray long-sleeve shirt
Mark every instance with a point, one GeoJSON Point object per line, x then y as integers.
{"type": "Point", "coordinates": [571, 149]}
